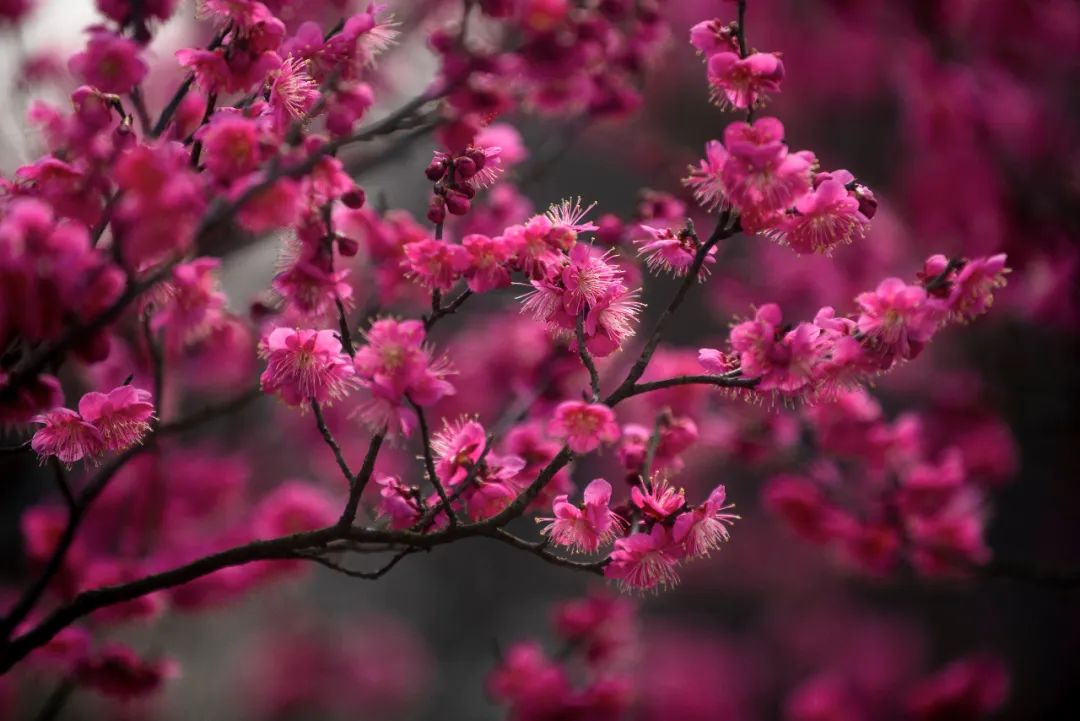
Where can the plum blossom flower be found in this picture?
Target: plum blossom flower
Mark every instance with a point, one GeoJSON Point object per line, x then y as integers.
{"type": "Point", "coordinates": [644, 561]}
{"type": "Point", "coordinates": [824, 219]}
{"type": "Point", "coordinates": [292, 92]}
{"type": "Point", "coordinates": [435, 264]}
{"type": "Point", "coordinates": [111, 62]}
{"type": "Point", "coordinates": [122, 415]}
{"type": "Point", "coordinates": [659, 500]}
{"type": "Point", "coordinates": [738, 82]}
{"type": "Point", "coordinates": [587, 527]}
{"type": "Point", "coordinates": [305, 365]}
{"type": "Point", "coordinates": [673, 252]}
{"type": "Point", "coordinates": [760, 176]}
{"type": "Point", "coordinates": [896, 319]}
{"type": "Point", "coordinates": [584, 426]}
{"type": "Point", "coordinates": [66, 435]}
{"type": "Point", "coordinates": [457, 447]}
{"type": "Point", "coordinates": [398, 502]}
{"type": "Point", "coordinates": [705, 527]}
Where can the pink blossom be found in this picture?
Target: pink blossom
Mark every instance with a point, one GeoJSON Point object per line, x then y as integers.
{"type": "Point", "coordinates": [704, 528]}
{"type": "Point", "coordinates": [896, 319]}
{"type": "Point", "coordinates": [587, 527]}
{"type": "Point", "coordinates": [713, 36]}
{"type": "Point", "coordinates": [742, 83]}
{"type": "Point", "coordinates": [233, 145]}
{"type": "Point", "coordinates": [305, 365]}
{"type": "Point", "coordinates": [398, 502]}
{"type": "Point", "coordinates": [823, 220]}
{"type": "Point", "coordinates": [457, 447]}
{"type": "Point", "coordinates": [706, 180]}
{"type": "Point", "coordinates": [488, 262]}
{"type": "Point", "coordinates": [760, 176]}
{"type": "Point", "coordinates": [111, 62]}
{"type": "Point", "coordinates": [659, 500]}
{"type": "Point", "coordinates": [292, 92]}
{"type": "Point", "coordinates": [66, 435]}
{"type": "Point", "coordinates": [435, 264]}
{"type": "Point", "coordinates": [194, 304]}
{"type": "Point", "coordinates": [122, 415]}
{"type": "Point", "coordinates": [584, 426]}
{"type": "Point", "coordinates": [672, 252]}
{"type": "Point", "coordinates": [644, 561]}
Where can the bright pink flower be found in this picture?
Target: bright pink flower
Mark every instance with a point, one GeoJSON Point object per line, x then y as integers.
{"type": "Point", "coordinates": [803, 506]}
{"type": "Point", "coordinates": [587, 527]}
{"type": "Point", "coordinates": [293, 93]}
{"type": "Point", "coordinates": [676, 436]}
{"type": "Point", "coordinates": [972, 292]}
{"type": "Point", "coordinates": [742, 83]}
{"type": "Point", "coordinates": [194, 304]}
{"type": "Point", "coordinates": [714, 36]}
{"type": "Point", "coordinates": [966, 690]}
{"type": "Point", "coordinates": [707, 180]}
{"type": "Point", "coordinates": [393, 364]}
{"type": "Point", "coordinates": [233, 145]}
{"type": "Point", "coordinates": [784, 363]}
{"type": "Point", "coordinates": [760, 176]}
{"type": "Point", "coordinates": [111, 62]}
{"type": "Point", "coordinates": [704, 528]}
{"type": "Point", "coordinates": [305, 365]}
{"type": "Point", "coordinates": [660, 500]}
{"type": "Point", "coordinates": [896, 319]}
{"type": "Point", "coordinates": [435, 264]}
{"type": "Point", "coordinates": [526, 677]}
{"type": "Point", "coordinates": [66, 435]}
{"type": "Point", "coordinates": [398, 502]}
{"type": "Point", "coordinates": [457, 447]}
{"type": "Point", "coordinates": [275, 207]}
{"type": "Point", "coordinates": [312, 291]}
{"type": "Point", "coordinates": [489, 499]}
{"type": "Point", "coordinates": [488, 262]}
{"type": "Point", "coordinates": [823, 219]}
{"type": "Point", "coordinates": [644, 561]}
{"type": "Point", "coordinates": [584, 426]}
{"type": "Point", "coordinates": [673, 252]}
{"type": "Point", "coordinates": [122, 415]}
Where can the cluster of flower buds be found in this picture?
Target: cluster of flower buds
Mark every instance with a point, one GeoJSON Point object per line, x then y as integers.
{"type": "Point", "coordinates": [457, 178]}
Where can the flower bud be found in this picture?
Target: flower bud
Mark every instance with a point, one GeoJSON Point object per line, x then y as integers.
{"type": "Point", "coordinates": [436, 212]}
{"type": "Point", "coordinates": [355, 198]}
{"type": "Point", "coordinates": [436, 169]}
{"type": "Point", "coordinates": [457, 203]}
{"type": "Point", "coordinates": [464, 167]}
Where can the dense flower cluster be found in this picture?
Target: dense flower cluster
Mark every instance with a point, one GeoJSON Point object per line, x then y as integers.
{"type": "Point", "coordinates": [390, 425]}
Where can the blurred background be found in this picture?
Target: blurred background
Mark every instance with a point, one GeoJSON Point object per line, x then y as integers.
{"type": "Point", "coordinates": [961, 115]}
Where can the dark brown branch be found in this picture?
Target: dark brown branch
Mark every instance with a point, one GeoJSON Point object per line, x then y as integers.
{"type": "Point", "coordinates": [360, 481]}
{"type": "Point", "coordinates": [586, 358]}
{"type": "Point", "coordinates": [366, 575]}
{"type": "Point", "coordinates": [439, 311]}
{"type": "Point", "coordinates": [429, 463]}
{"type": "Point", "coordinates": [320, 421]}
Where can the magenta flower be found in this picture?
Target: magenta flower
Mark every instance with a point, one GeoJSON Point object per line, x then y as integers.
{"type": "Point", "coordinates": [896, 319]}
{"type": "Point", "coordinates": [584, 426]}
{"type": "Point", "coordinates": [823, 219]}
{"type": "Point", "coordinates": [457, 447]}
{"type": "Point", "coordinates": [489, 260]}
{"type": "Point", "coordinates": [233, 145]}
{"type": "Point", "coordinates": [706, 180]}
{"type": "Point", "coordinates": [66, 435]}
{"type": "Point", "coordinates": [292, 92]}
{"type": "Point", "coordinates": [194, 306]}
{"type": "Point", "coordinates": [760, 176]}
{"type": "Point", "coordinates": [435, 264]}
{"type": "Point", "coordinates": [972, 290]}
{"type": "Point", "coordinates": [304, 365]}
{"type": "Point", "coordinates": [704, 528]}
{"type": "Point", "coordinates": [398, 502]}
{"type": "Point", "coordinates": [660, 500]}
{"type": "Point", "coordinates": [741, 83]}
{"type": "Point", "coordinates": [122, 415]}
{"type": "Point", "coordinates": [672, 252]}
{"type": "Point", "coordinates": [587, 527]}
{"type": "Point", "coordinates": [110, 63]}
{"type": "Point", "coordinates": [644, 561]}
{"type": "Point", "coordinates": [117, 671]}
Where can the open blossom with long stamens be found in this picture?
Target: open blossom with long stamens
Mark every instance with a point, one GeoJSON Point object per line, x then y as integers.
{"type": "Point", "coordinates": [704, 528]}
{"type": "Point", "coordinates": [122, 415]}
{"type": "Point", "coordinates": [292, 92]}
{"type": "Point", "coordinates": [823, 219]}
{"type": "Point", "coordinates": [659, 500]}
{"type": "Point", "coordinates": [457, 447]}
{"type": "Point", "coordinates": [645, 561]}
{"type": "Point", "coordinates": [673, 252]}
{"type": "Point", "coordinates": [305, 365]}
{"type": "Point", "coordinates": [66, 435]}
{"type": "Point", "coordinates": [587, 527]}
{"type": "Point", "coordinates": [584, 426]}
{"type": "Point", "coordinates": [742, 83]}
{"type": "Point", "coordinates": [896, 318]}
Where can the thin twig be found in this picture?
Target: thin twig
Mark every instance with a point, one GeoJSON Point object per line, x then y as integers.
{"type": "Point", "coordinates": [586, 357]}
{"type": "Point", "coordinates": [429, 463]}
{"type": "Point", "coordinates": [324, 429]}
